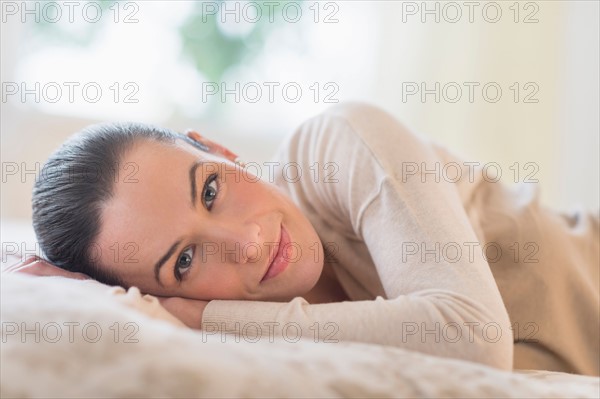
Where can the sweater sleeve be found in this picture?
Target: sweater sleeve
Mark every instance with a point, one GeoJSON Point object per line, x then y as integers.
{"type": "Point", "coordinates": [440, 305]}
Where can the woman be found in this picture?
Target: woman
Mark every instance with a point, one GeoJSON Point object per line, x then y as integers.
{"type": "Point", "coordinates": [359, 230]}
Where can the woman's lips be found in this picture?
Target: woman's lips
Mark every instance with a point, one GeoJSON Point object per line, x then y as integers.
{"type": "Point", "coordinates": [281, 260]}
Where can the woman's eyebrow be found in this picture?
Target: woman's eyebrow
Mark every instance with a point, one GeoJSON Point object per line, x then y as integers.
{"type": "Point", "coordinates": [163, 260]}
{"type": "Point", "coordinates": [192, 175]}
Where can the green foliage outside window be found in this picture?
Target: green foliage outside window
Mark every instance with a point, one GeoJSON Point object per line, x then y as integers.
{"type": "Point", "coordinates": [210, 50]}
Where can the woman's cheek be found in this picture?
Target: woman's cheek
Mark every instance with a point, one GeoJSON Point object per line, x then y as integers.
{"type": "Point", "coordinates": [215, 284]}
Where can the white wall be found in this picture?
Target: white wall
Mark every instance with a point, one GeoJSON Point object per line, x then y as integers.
{"type": "Point", "coordinates": [579, 171]}
{"type": "Point", "coordinates": [559, 54]}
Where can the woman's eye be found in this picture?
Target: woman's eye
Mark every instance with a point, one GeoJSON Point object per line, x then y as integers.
{"type": "Point", "coordinates": [184, 263]}
{"type": "Point", "coordinates": [210, 191]}
{"type": "Point", "coordinates": [209, 194]}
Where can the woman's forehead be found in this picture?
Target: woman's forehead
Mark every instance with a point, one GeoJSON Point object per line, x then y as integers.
{"type": "Point", "coordinates": [153, 175]}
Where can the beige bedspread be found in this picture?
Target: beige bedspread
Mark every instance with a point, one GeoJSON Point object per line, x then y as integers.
{"type": "Point", "coordinates": [89, 344]}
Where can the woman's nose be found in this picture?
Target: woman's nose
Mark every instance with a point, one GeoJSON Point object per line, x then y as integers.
{"type": "Point", "coordinates": [238, 243]}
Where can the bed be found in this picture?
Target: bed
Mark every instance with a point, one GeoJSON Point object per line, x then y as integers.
{"type": "Point", "coordinates": [71, 338]}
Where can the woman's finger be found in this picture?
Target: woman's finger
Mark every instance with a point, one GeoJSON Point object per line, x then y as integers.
{"type": "Point", "coordinates": [24, 263]}
{"type": "Point", "coordinates": [40, 267]}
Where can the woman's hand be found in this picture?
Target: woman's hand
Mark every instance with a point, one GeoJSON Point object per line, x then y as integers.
{"type": "Point", "coordinates": [37, 266]}
{"type": "Point", "coordinates": [189, 311]}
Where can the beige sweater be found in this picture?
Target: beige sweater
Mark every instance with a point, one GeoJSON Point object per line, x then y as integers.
{"type": "Point", "coordinates": [409, 253]}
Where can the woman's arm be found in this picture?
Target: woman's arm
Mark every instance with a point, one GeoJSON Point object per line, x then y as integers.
{"type": "Point", "coordinates": [435, 306]}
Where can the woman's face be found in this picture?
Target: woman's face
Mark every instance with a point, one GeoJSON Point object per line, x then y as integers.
{"type": "Point", "coordinates": [185, 222]}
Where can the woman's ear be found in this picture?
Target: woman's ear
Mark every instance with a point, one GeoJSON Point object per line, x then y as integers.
{"type": "Point", "coordinates": [213, 147]}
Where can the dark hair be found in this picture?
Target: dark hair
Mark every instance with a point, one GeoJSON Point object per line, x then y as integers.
{"type": "Point", "coordinates": [72, 187]}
